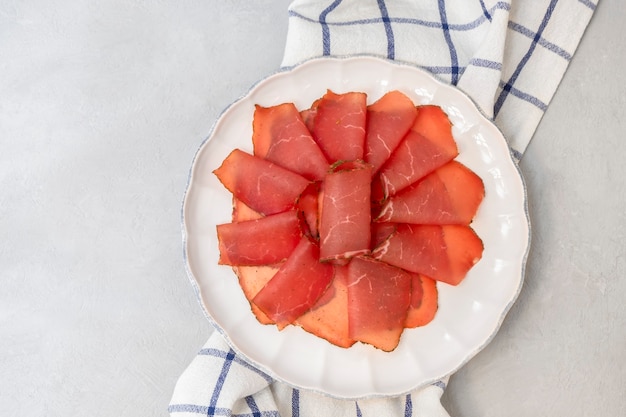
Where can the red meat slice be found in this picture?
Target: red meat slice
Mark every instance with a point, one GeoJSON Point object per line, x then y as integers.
{"type": "Point", "coordinates": [449, 195]}
{"type": "Point", "coordinates": [345, 216]}
{"type": "Point", "coordinates": [328, 318]}
{"type": "Point", "coordinates": [378, 195]}
{"type": "Point", "coordinates": [279, 135]}
{"type": "Point", "coordinates": [388, 120]}
{"type": "Point", "coordinates": [381, 231]}
{"type": "Point", "coordinates": [262, 185]}
{"type": "Point", "coordinates": [465, 249]}
{"type": "Point", "coordinates": [433, 123]}
{"type": "Point", "coordinates": [297, 285]}
{"type": "Point", "coordinates": [242, 212]}
{"type": "Point", "coordinates": [339, 125]}
{"type": "Point", "coordinates": [252, 279]}
{"type": "Point", "coordinates": [445, 253]}
{"type": "Point", "coordinates": [308, 207]}
{"type": "Point", "coordinates": [263, 241]}
{"type": "Point", "coordinates": [378, 300]}
{"type": "Point", "coordinates": [428, 145]}
{"type": "Point", "coordinates": [308, 115]}
{"type": "Point", "coordinates": [424, 301]}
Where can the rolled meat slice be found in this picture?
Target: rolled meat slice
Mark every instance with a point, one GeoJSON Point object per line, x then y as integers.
{"type": "Point", "coordinates": [263, 241]}
{"type": "Point", "coordinates": [388, 120]}
{"type": "Point", "coordinates": [346, 212]}
{"type": "Point", "coordinates": [297, 285]}
{"type": "Point", "coordinates": [449, 195]}
{"type": "Point", "coordinates": [378, 300]}
{"type": "Point", "coordinates": [442, 252]}
{"type": "Point", "coordinates": [279, 135]}
{"type": "Point", "coordinates": [338, 125]}
{"type": "Point", "coordinates": [262, 185]}
{"type": "Point", "coordinates": [428, 145]}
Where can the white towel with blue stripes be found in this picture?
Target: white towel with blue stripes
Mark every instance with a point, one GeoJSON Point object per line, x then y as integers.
{"type": "Point", "coordinates": [509, 56]}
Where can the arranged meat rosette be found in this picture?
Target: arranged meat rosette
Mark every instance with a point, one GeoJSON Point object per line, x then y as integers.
{"type": "Point", "coordinates": [347, 215]}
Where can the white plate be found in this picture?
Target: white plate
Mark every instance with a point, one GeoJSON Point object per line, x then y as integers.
{"type": "Point", "coordinates": [469, 315]}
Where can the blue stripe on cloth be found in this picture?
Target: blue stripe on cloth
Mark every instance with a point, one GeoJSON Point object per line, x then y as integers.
{"type": "Point", "coordinates": [253, 407]}
{"type": "Point", "coordinates": [485, 11]}
{"type": "Point", "coordinates": [525, 96]}
{"type": "Point", "coordinates": [588, 3]}
{"type": "Point", "coordinates": [203, 409]}
{"type": "Point", "coordinates": [325, 30]}
{"type": "Point", "coordinates": [295, 403]}
{"type": "Point", "coordinates": [187, 408]}
{"type": "Point", "coordinates": [440, 384]}
{"type": "Point", "coordinates": [509, 84]}
{"type": "Point", "coordinates": [408, 406]}
{"type": "Point", "coordinates": [454, 63]}
{"type": "Point", "coordinates": [198, 409]}
{"type": "Point", "coordinates": [358, 410]}
{"type": "Point", "coordinates": [502, 5]}
{"type": "Point", "coordinates": [548, 45]}
{"type": "Point", "coordinates": [222, 354]}
{"type": "Point", "coordinates": [220, 381]}
{"type": "Point", "coordinates": [485, 63]}
{"type": "Point", "coordinates": [388, 29]}
{"type": "Point", "coordinates": [442, 70]}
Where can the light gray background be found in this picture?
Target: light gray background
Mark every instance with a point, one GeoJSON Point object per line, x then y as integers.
{"type": "Point", "coordinates": [102, 108]}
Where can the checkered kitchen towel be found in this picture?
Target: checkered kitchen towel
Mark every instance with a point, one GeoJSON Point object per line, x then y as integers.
{"type": "Point", "coordinates": [509, 56]}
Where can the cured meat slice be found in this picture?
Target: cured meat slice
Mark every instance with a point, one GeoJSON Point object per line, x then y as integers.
{"type": "Point", "coordinates": [433, 123]}
{"type": "Point", "coordinates": [388, 120]}
{"type": "Point", "coordinates": [328, 318]}
{"type": "Point", "coordinates": [381, 231]}
{"type": "Point", "coordinates": [339, 125]}
{"type": "Point", "coordinates": [263, 241]}
{"type": "Point", "coordinates": [445, 253]}
{"type": "Point", "coordinates": [308, 115]}
{"type": "Point", "coordinates": [378, 192]}
{"type": "Point", "coordinates": [308, 207]}
{"type": "Point", "coordinates": [345, 216]}
{"type": "Point", "coordinates": [241, 212]}
{"type": "Point", "coordinates": [279, 135]}
{"type": "Point", "coordinates": [449, 195]}
{"type": "Point", "coordinates": [262, 185]}
{"type": "Point", "coordinates": [378, 300]}
{"type": "Point", "coordinates": [252, 279]}
{"type": "Point", "coordinates": [428, 145]}
{"type": "Point", "coordinates": [465, 249]}
{"type": "Point", "coordinates": [424, 301]}
{"type": "Point", "coordinates": [297, 285]}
